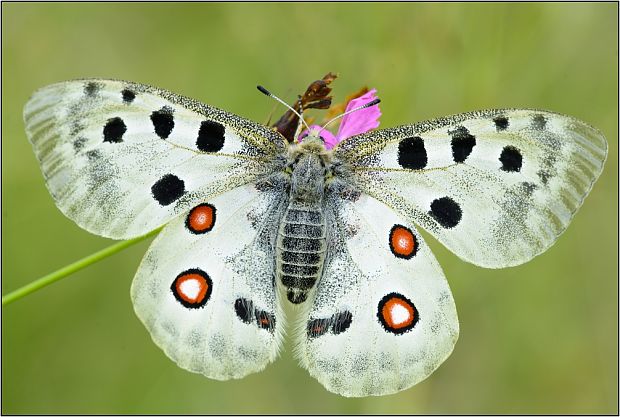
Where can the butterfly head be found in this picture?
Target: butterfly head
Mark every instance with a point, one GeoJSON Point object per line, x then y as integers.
{"type": "Point", "coordinates": [362, 115]}
{"type": "Point", "coordinates": [315, 138]}
{"type": "Point", "coordinates": [309, 164]}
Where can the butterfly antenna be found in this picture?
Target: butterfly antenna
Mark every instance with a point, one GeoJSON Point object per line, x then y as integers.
{"type": "Point", "coordinates": [365, 106]}
{"type": "Point", "coordinates": [268, 94]}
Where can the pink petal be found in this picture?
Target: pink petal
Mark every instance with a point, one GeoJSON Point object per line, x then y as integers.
{"type": "Point", "coordinates": [360, 121]}
{"type": "Point", "coordinates": [328, 137]}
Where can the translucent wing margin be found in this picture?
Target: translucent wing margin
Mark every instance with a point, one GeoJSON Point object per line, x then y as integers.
{"type": "Point", "coordinates": [121, 159]}
{"type": "Point", "coordinates": [496, 187]}
{"type": "Point", "coordinates": [205, 288]}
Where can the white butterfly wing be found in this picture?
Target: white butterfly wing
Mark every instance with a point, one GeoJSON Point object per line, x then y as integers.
{"type": "Point", "coordinates": [496, 187]}
{"type": "Point", "coordinates": [121, 158]}
{"type": "Point", "coordinates": [205, 289]}
{"type": "Point", "coordinates": [382, 318]}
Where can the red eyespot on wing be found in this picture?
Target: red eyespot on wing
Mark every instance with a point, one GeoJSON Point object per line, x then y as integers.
{"type": "Point", "coordinates": [201, 219]}
{"type": "Point", "coordinates": [192, 288]}
{"type": "Point", "coordinates": [397, 313]}
{"type": "Point", "coordinates": [403, 243]}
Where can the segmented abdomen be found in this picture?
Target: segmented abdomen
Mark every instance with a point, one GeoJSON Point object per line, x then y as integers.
{"type": "Point", "coordinates": [300, 251]}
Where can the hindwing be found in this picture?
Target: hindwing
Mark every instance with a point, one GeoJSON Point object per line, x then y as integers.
{"type": "Point", "coordinates": [382, 317]}
{"type": "Point", "coordinates": [205, 288]}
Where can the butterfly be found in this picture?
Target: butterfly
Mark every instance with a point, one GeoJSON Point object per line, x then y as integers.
{"type": "Point", "coordinates": [253, 221]}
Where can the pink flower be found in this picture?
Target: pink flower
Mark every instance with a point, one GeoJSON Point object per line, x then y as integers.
{"type": "Point", "coordinates": [352, 124]}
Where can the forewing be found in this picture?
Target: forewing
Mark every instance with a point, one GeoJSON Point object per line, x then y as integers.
{"type": "Point", "coordinates": [382, 318]}
{"type": "Point", "coordinates": [205, 289]}
{"type": "Point", "coordinates": [121, 159]}
{"type": "Point", "coordinates": [496, 187]}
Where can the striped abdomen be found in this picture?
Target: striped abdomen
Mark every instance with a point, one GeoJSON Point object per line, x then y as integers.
{"type": "Point", "coordinates": [300, 250]}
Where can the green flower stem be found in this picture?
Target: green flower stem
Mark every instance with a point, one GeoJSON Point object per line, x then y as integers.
{"type": "Point", "coordinates": [71, 268]}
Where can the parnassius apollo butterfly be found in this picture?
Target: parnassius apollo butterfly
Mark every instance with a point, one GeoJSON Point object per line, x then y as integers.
{"type": "Point", "coordinates": [253, 221]}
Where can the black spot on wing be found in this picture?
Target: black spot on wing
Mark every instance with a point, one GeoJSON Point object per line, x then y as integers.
{"type": "Point", "coordinates": [462, 143]}
{"type": "Point", "coordinates": [163, 122]}
{"type": "Point", "coordinates": [511, 159]}
{"type": "Point", "coordinates": [411, 153]}
{"type": "Point", "coordinates": [265, 320]}
{"type": "Point", "coordinates": [336, 324]}
{"type": "Point", "coordinates": [168, 189]}
{"type": "Point", "coordinates": [341, 322]}
{"type": "Point", "coordinates": [446, 212]}
{"type": "Point", "coordinates": [317, 327]}
{"type": "Point", "coordinates": [128, 96]}
{"type": "Point", "coordinates": [210, 136]}
{"type": "Point", "coordinates": [114, 130]}
{"type": "Point", "coordinates": [247, 313]}
{"type": "Point", "coordinates": [539, 122]}
{"type": "Point", "coordinates": [244, 309]}
{"type": "Point", "coordinates": [91, 88]}
{"type": "Point", "coordinates": [501, 123]}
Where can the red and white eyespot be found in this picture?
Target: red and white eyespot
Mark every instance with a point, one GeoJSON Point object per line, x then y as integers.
{"type": "Point", "coordinates": [397, 313]}
{"type": "Point", "coordinates": [201, 219]}
{"type": "Point", "coordinates": [403, 242]}
{"type": "Point", "coordinates": [192, 288]}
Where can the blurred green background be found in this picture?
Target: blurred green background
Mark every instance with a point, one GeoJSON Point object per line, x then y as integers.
{"type": "Point", "coordinates": [538, 338]}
